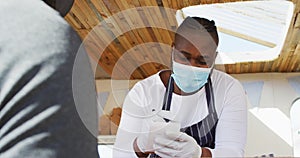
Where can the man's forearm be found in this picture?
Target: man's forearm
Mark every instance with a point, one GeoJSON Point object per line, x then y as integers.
{"type": "Point", "coordinates": [206, 152]}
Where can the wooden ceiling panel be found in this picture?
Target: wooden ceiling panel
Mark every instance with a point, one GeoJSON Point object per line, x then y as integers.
{"type": "Point", "coordinates": [128, 40]}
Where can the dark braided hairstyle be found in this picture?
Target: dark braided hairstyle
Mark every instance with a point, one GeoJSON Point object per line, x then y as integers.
{"type": "Point", "coordinates": [197, 25]}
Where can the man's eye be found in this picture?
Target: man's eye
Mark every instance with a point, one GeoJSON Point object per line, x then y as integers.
{"type": "Point", "coordinates": [202, 62]}
{"type": "Point", "coordinates": [188, 58]}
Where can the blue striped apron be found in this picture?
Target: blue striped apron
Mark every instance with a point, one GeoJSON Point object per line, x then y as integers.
{"type": "Point", "coordinates": [204, 131]}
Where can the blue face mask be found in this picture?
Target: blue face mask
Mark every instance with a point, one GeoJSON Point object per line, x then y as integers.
{"type": "Point", "coordinates": [189, 78]}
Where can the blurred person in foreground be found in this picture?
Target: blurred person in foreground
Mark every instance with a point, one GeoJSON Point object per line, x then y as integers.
{"type": "Point", "coordinates": [48, 109]}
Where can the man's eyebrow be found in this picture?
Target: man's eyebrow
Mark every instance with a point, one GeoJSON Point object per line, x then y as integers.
{"type": "Point", "coordinates": [205, 59]}
{"type": "Point", "coordinates": [200, 57]}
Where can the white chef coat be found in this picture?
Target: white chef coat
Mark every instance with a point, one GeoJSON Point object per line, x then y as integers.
{"type": "Point", "coordinates": [146, 97]}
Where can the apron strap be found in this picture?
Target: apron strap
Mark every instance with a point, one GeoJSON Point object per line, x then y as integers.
{"type": "Point", "coordinates": [210, 99]}
{"type": "Point", "coordinates": [168, 96]}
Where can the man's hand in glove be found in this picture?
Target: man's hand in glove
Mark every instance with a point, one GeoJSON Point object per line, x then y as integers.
{"type": "Point", "coordinates": [177, 144]}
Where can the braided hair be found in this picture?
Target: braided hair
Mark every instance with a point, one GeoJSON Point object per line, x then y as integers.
{"type": "Point", "coordinates": [197, 25]}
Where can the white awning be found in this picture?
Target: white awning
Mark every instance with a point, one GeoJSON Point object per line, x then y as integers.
{"type": "Point", "coordinates": [249, 31]}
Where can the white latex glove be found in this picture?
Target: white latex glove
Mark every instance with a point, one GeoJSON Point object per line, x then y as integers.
{"type": "Point", "coordinates": [177, 144]}
{"type": "Point", "coordinates": [144, 139]}
{"type": "Point", "coordinates": [152, 130]}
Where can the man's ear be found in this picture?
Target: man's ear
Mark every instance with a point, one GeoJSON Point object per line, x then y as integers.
{"type": "Point", "coordinates": [62, 6]}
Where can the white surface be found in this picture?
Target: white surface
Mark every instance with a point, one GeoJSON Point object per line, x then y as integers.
{"type": "Point", "coordinates": [269, 130]}
{"type": "Point", "coordinates": [276, 121]}
{"type": "Point", "coordinates": [105, 151]}
{"type": "Point", "coordinates": [295, 121]}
